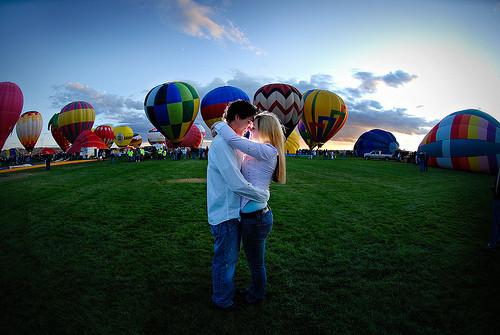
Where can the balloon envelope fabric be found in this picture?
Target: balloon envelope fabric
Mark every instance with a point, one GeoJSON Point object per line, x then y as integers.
{"type": "Point", "coordinates": [193, 139]}
{"type": "Point", "coordinates": [376, 139]}
{"type": "Point", "coordinates": [28, 129]}
{"type": "Point", "coordinates": [74, 118]}
{"type": "Point", "coordinates": [123, 135]}
{"type": "Point", "coordinates": [136, 141]}
{"type": "Point", "coordinates": [305, 135]}
{"type": "Point", "coordinates": [465, 140]}
{"type": "Point", "coordinates": [155, 137]}
{"type": "Point", "coordinates": [214, 103]}
{"type": "Point", "coordinates": [283, 100]}
{"type": "Point", "coordinates": [325, 113]}
{"type": "Point", "coordinates": [11, 105]}
{"type": "Point", "coordinates": [292, 143]}
{"type": "Point", "coordinates": [172, 108]}
{"type": "Point", "coordinates": [106, 134]}
{"type": "Point", "coordinates": [57, 133]}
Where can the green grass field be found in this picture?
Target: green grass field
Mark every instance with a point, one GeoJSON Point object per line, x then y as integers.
{"type": "Point", "coordinates": [357, 247]}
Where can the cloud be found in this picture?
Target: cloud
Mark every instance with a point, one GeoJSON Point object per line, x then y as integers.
{"type": "Point", "coordinates": [199, 21]}
{"type": "Point", "coordinates": [110, 108]}
{"type": "Point", "coordinates": [370, 82]}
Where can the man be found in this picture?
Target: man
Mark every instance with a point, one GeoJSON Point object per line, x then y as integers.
{"type": "Point", "coordinates": [225, 186]}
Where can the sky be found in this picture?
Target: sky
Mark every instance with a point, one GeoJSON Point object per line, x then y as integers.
{"type": "Point", "coordinates": [400, 65]}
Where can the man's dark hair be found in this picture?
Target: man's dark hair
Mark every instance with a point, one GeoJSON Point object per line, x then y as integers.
{"type": "Point", "coordinates": [241, 108]}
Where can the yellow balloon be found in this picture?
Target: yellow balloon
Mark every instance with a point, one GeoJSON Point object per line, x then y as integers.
{"type": "Point", "coordinates": [123, 136]}
{"type": "Point", "coordinates": [325, 113]}
{"type": "Point", "coordinates": [292, 143]}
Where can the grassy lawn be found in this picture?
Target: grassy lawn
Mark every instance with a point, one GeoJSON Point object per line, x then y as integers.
{"type": "Point", "coordinates": [357, 247]}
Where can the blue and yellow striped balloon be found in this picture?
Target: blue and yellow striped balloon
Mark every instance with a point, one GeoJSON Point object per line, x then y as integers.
{"type": "Point", "coordinates": [172, 108]}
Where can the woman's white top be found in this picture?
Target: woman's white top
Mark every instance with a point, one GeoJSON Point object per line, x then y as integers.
{"type": "Point", "coordinates": [258, 163]}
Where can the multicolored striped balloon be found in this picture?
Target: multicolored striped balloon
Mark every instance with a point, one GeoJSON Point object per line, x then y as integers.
{"type": "Point", "coordinates": [305, 135]}
{"type": "Point", "coordinates": [283, 100]}
{"type": "Point", "coordinates": [106, 134]}
{"type": "Point", "coordinates": [214, 103]}
{"type": "Point", "coordinates": [172, 108]}
{"type": "Point", "coordinates": [465, 140]}
{"type": "Point", "coordinates": [123, 135]}
{"type": "Point", "coordinates": [76, 117]}
{"type": "Point", "coordinates": [325, 113]}
{"type": "Point", "coordinates": [28, 129]}
{"type": "Point", "coordinates": [57, 134]}
{"type": "Point", "coordinates": [11, 106]}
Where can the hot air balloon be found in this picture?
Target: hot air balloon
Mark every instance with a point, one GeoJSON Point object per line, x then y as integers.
{"type": "Point", "coordinates": [11, 105]}
{"type": "Point", "coordinates": [136, 141]}
{"type": "Point", "coordinates": [283, 100]}
{"type": "Point", "coordinates": [123, 136]}
{"type": "Point", "coordinates": [292, 143]}
{"type": "Point", "coordinates": [74, 118]}
{"type": "Point", "coordinates": [57, 134]}
{"type": "Point", "coordinates": [202, 129]}
{"type": "Point", "coordinates": [106, 134]}
{"type": "Point", "coordinates": [86, 139]}
{"type": "Point", "coordinates": [325, 113]}
{"type": "Point", "coordinates": [28, 129]}
{"type": "Point", "coordinates": [192, 139]}
{"type": "Point", "coordinates": [172, 108]}
{"type": "Point", "coordinates": [376, 139]}
{"type": "Point", "coordinates": [305, 135]}
{"type": "Point", "coordinates": [155, 137]}
{"type": "Point", "coordinates": [465, 140]}
{"type": "Point", "coordinates": [214, 103]}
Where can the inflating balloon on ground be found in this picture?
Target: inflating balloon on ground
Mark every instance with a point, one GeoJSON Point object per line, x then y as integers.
{"type": "Point", "coordinates": [465, 140]}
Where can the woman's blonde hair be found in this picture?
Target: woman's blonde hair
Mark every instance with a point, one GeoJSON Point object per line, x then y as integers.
{"type": "Point", "coordinates": [271, 130]}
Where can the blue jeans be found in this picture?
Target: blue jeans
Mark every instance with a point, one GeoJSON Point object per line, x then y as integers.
{"type": "Point", "coordinates": [226, 249]}
{"type": "Point", "coordinates": [254, 232]}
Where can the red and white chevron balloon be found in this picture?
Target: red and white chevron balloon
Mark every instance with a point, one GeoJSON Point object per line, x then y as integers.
{"type": "Point", "coordinates": [283, 100]}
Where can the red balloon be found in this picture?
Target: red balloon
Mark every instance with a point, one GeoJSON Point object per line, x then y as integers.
{"type": "Point", "coordinates": [106, 134]}
{"type": "Point", "coordinates": [192, 139]}
{"type": "Point", "coordinates": [11, 105]}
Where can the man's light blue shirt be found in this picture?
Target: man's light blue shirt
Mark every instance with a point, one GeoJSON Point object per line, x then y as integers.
{"type": "Point", "coordinates": [226, 184]}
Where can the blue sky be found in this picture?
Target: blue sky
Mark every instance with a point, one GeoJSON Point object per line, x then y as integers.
{"type": "Point", "coordinates": [400, 65]}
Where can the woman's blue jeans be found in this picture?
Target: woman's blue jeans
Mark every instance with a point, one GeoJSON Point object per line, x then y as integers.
{"type": "Point", "coordinates": [226, 249]}
{"type": "Point", "coordinates": [254, 232]}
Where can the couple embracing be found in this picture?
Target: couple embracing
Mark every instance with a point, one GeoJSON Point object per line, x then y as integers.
{"type": "Point", "coordinates": [239, 173]}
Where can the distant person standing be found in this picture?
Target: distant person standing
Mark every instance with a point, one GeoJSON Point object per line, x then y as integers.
{"type": "Point", "coordinates": [495, 225]}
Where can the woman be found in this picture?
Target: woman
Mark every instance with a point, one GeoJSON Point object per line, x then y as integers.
{"type": "Point", "coordinates": [264, 160]}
